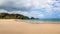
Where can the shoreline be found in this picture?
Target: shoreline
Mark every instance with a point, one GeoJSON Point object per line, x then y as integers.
{"type": "Point", "coordinates": [20, 20]}
{"type": "Point", "coordinates": [40, 22]}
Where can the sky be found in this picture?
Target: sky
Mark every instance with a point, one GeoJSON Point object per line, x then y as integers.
{"type": "Point", "coordinates": [32, 8]}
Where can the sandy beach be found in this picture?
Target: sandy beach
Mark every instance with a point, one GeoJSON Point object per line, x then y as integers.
{"type": "Point", "coordinates": [13, 26]}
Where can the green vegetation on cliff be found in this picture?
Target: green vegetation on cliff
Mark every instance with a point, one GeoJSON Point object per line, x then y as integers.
{"type": "Point", "coordinates": [12, 16]}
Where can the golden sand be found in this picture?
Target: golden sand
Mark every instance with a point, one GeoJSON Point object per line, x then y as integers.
{"type": "Point", "coordinates": [13, 26]}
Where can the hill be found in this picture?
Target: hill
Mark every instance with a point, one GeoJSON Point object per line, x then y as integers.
{"type": "Point", "coordinates": [12, 16]}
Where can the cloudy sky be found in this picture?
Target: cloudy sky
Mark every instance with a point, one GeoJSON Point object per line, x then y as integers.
{"type": "Point", "coordinates": [32, 8]}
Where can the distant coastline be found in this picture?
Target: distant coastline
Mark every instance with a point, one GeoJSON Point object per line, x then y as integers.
{"type": "Point", "coordinates": [14, 16]}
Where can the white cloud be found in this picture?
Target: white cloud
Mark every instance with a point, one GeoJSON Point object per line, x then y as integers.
{"type": "Point", "coordinates": [2, 1]}
{"type": "Point", "coordinates": [29, 5]}
{"type": "Point", "coordinates": [56, 9]}
{"type": "Point", "coordinates": [41, 15]}
{"type": "Point", "coordinates": [3, 11]}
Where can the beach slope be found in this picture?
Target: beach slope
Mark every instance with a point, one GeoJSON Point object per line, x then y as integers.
{"type": "Point", "coordinates": [13, 26]}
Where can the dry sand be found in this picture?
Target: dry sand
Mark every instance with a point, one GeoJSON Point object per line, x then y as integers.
{"type": "Point", "coordinates": [13, 26]}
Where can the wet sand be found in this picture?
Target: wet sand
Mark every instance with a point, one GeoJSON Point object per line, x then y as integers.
{"type": "Point", "coordinates": [13, 26]}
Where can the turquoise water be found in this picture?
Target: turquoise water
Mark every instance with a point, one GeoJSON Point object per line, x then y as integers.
{"type": "Point", "coordinates": [42, 20]}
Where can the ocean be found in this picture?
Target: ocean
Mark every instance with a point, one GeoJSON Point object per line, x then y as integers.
{"type": "Point", "coordinates": [42, 20]}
